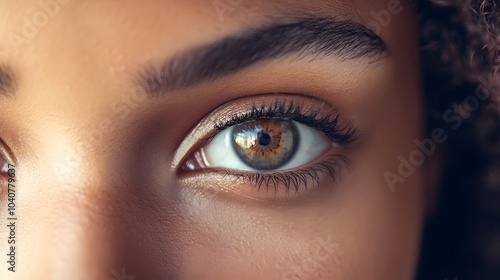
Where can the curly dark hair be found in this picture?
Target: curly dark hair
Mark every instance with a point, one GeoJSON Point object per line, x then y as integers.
{"type": "Point", "coordinates": [460, 54]}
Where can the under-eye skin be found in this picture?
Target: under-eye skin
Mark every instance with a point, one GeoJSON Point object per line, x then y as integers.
{"type": "Point", "coordinates": [274, 142]}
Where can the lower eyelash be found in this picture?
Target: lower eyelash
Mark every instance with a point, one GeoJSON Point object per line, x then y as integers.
{"type": "Point", "coordinates": [293, 180]}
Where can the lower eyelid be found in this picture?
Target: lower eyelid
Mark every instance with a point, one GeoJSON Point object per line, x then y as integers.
{"type": "Point", "coordinates": [274, 186]}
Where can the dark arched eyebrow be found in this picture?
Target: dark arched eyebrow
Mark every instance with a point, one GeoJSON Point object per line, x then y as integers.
{"type": "Point", "coordinates": [7, 81]}
{"type": "Point", "coordinates": [303, 37]}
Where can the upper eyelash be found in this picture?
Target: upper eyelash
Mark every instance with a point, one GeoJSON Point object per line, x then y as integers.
{"type": "Point", "coordinates": [328, 124]}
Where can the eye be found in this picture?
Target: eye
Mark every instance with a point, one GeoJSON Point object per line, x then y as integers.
{"type": "Point", "coordinates": [4, 166]}
{"type": "Point", "coordinates": [265, 145]}
{"type": "Point", "coordinates": [4, 160]}
{"type": "Point", "coordinates": [278, 141]}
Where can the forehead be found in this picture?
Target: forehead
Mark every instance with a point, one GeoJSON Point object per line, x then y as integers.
{"type": "Point", "coordinates": [89, 45]}
{"type": "Point", "coordinates": [165, 25]}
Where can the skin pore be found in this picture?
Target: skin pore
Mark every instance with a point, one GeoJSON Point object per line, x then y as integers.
{"type": "Point", "coordinates": [100, 146]}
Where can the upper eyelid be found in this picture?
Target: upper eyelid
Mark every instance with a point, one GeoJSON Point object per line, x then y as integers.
{"type": "Point", "coordinates": [207, 126]}
{"type": "Point", "coordinates": [328, 123]}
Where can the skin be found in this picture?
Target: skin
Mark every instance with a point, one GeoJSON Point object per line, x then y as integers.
{"type": "Point", "coordinates": [98, 186]}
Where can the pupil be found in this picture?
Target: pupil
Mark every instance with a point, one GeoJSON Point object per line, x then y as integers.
{"type": "Point", "coordinates": [265, 144]}
{"type": "Point", "coordinates": [265, 139]}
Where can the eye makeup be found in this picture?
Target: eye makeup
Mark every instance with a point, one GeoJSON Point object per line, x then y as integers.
{"type": "Point", "coordinates": [322, 119]}
{"type": "Point", "coordinates": [265, 117]}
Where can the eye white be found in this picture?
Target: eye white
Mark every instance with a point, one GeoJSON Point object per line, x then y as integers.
{"type": "Point", "coordinates": [221, 154]}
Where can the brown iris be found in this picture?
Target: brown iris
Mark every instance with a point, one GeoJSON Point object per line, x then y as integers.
{"type": "Point", "coordinates": [265, 144]}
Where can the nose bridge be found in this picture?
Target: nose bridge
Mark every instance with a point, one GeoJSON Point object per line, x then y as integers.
{"type": "Point", "coordinates": [82, 218]}
{"type": "Point", "coordinates": [72, 204]}
{"type": "Point", "coordinates": [92, 213]}
{"type": "Point", "coordinates": [82, 237]}
{"type": "Point", "coordinates": [87, 205]}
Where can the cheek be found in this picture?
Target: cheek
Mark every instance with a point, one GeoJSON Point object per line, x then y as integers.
{"type": "Point", "coordinates": [356, 230]}
{"type": "Point", "coordinates": [260, 242]}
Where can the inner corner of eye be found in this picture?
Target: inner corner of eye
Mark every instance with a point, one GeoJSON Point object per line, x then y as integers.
{"type": "Point", "coordinates": [259, 146]}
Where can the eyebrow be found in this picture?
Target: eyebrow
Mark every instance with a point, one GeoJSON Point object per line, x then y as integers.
{"type": "Point", "coordinates": [7, 81]}
{"type": "Point", "coordinates": [307, 36]}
